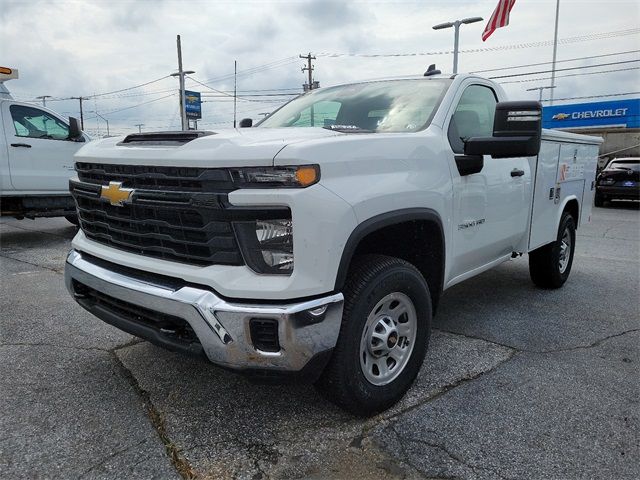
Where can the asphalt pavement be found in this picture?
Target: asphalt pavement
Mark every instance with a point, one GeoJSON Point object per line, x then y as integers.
{"type": "Point", "coordinates": [518, 383]}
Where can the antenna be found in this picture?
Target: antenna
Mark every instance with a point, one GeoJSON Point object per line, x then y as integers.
{"type": "Point", "coordinates": [432, 70]}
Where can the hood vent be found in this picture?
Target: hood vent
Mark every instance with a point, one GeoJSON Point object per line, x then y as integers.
{"type": "Point", "coordinates": [163, 138]}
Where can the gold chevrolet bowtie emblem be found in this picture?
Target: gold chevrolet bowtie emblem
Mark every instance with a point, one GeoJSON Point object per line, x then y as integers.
{"type": "Point", "coordinates": [116, 194]}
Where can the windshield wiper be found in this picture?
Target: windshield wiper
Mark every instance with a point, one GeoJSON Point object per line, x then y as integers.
{"type": "Point", "coordinates": [347, 129]}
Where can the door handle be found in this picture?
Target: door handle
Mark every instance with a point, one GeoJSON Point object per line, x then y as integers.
{"type": "Point", "coordinates": [517, 173]}
{"type": "Point", "coordinates": [26, 145]}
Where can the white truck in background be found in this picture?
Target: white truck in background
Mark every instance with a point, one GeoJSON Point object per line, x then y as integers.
{"type": "Point", "coordinates": [36, 158]}
{"type": "Point", "coordinates": [318, 243]}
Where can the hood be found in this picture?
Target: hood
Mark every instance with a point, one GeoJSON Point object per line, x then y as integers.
{"type": "Point", "coordinates": [219, 148]}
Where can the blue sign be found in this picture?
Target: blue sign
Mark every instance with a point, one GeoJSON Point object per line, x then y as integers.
{"type": "Point", "coordinates": [192, 104]}
{"type": "Point", "coordinates": [619, 113]}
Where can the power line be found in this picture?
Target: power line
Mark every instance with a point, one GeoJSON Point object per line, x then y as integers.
{"type": "Point", "coordinates": [259, 68]}
{"type": "Point", "coordinates": [87, 97]}
{"type": "Point", "coordinates": [221, 92]}
{"type": "Point", "coordinates": [141, 94]}
{"type": "Point", "coordinates": [128, 88]}
{"type": "Point", "coordinates": [564, 69]}
{"type": "Point", "coordinates": [209, 95]}
{"type": "Point", "coordinates": [544, 43]}
{"type": "Point", "coordinates": [135, 106]}
{"type": "Point", "coordinates": [155, 92]}
{"type": "Point", "coordinates": [571, 75]}
{"type": "Point", "coordinates": [595, 96]}
{"type": "Point", "coordinates": [558, 61]}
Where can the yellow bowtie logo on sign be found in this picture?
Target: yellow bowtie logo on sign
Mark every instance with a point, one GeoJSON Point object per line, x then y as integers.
{"type": "Point", "coordinates": [116, 194]}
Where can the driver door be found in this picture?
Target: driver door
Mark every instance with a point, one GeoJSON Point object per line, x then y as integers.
{"type": "Point", "coordinates": [40, 154]}
{"type": "Point", "coordinates": [490, 207]}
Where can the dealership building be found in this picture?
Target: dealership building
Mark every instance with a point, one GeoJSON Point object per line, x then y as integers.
{"type": "Point", "coordinates": [617, 122]}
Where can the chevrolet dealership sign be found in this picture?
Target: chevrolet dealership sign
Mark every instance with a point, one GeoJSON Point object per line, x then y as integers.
{"type": "Point", "coordinates": [619, 113]}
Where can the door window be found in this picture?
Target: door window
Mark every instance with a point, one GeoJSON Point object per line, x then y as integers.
{"type": "Point", "coordinates": [473, 116]}
{"type": "Point", "coordinates": [35, 123]}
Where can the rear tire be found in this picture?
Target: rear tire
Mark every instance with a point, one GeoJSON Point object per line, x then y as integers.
{"type": "Point", "coordinates": [383, 337]}
{"type": "Point", "coordinates": [550, 265]}
{"type": "Point", "coordinates": [598, 200]}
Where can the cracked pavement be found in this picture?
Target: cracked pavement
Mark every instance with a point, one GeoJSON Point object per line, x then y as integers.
{"type": "Point", "coordinates": [518, 383]}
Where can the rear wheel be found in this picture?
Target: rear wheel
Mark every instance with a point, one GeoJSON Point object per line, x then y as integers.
{"type": "Point", "coordinates": [598, 200]}
{"type": "Point", "coordinates": [550, 265]}
{"type": "Point", "coordinates": [383, 336]}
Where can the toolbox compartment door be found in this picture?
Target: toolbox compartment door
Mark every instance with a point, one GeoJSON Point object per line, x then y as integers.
{"type": "Point", "coordinates": [543, 219]}
{"type": "Point", "coordinates": [588, 154]}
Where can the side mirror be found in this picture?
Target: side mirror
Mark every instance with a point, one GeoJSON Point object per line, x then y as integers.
{"type": "Point", "coordinates": [246, 122]}
{"type": "Point", "coordinates": [75, 133]}
{"type": "Point", "coordinates": [517, 130]}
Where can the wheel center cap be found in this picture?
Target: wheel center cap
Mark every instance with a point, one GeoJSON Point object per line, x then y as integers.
{"type": "Point", "coordinates": [392, 340]}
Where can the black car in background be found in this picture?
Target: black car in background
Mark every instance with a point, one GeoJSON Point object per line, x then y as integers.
{"type": "Point", "coordinates": [620, 180]}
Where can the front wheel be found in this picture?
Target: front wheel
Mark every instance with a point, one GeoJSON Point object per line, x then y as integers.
{"type": "Point", "coordinates": [550, 265]}
{"type": "Point", "coordinates": [383, 337]}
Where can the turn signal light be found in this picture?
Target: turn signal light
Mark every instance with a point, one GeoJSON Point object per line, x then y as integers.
{"type": "Point", "coordinates": [307, 176]}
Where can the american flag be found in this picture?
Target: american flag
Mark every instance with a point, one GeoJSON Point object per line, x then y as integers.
{"type": "Point", "coordinates": [500, 18]}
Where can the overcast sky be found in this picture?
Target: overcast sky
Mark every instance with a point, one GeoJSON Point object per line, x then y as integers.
{"type": "Point", "coordinates": [74, 48]}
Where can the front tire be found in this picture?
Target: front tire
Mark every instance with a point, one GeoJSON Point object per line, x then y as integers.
{"type": "Point", "coordinates": [383, 337]}
{"type": "Point", "coordinates": [550, 265]}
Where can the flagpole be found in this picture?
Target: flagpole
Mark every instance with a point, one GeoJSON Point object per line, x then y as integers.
{"type": "Point", "coordinates": [555, 51]}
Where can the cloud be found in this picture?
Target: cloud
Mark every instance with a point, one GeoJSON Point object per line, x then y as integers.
{"type": "Point", "coordinates": [330, 15]}
{"type": "Point", "coordinates": [82, 48]}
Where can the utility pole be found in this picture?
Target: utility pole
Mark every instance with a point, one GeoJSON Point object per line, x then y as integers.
{"type": "Point", "coordinates": [235, 90]}
{"type": "Point", "coordinates": [555, 51]}
{"type": "Point", "coordinates": [81, 114]}
{"type": "Point", "coordinates": [181, 74]}
{"type": "Point", "coordinates": [309, 69]}
{"type": "Point", "coordinates": [44, 99]}
{"type": "Point", "coordinates": [139, 125]}
{"type": "Point", "coordinates": [540, 89]}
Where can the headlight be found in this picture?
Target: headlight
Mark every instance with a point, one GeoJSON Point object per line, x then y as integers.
{"type": "Point", "coordinates": [264, 177]}
{"type": "Point", "coordinates": [267, 245]}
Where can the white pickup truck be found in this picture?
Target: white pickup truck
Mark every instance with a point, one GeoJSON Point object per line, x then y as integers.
{"type": "Point", "coordinates": [36, 158]}
{"type": "Point", "coordinates": [318, 243]}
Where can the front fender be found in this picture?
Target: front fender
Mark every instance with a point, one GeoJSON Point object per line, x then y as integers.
{"type": "Point", "coordinates": [382, 221]}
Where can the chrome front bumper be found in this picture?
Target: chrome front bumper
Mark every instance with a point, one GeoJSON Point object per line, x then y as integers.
{"type": "Point", "coordinates": [305, 329]}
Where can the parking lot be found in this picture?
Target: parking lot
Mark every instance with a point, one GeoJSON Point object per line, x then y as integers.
{"type": "Point", "coordinates": [518, 383]}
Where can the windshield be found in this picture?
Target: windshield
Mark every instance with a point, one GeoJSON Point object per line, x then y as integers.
{"type": "Point", "coordinates": [389, 106]}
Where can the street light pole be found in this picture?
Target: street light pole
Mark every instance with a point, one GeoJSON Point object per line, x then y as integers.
{"type": "Point", "coordinates": [107, 121]}
{"type": "Point", "coordinates": [555, 51]}
{"type": "Point", "coordinates": [181, 74]}
{"type": "Point", "coordinates": [44, 99]}
{"type": "Point", "coordinates": [456, 39]}
{"type": "Point", "coordinates": [540, 89]}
